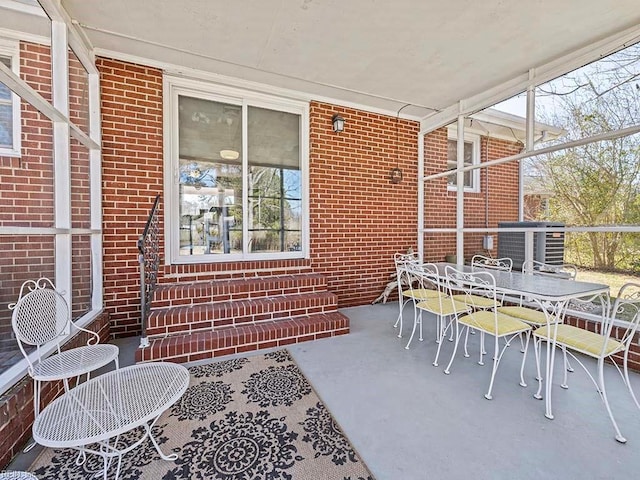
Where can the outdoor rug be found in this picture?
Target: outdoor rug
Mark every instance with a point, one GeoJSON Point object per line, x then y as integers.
{"type": "Point", "coordinates": [241, 419]}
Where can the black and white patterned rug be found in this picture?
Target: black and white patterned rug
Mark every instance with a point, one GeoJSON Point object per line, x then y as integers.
{"type": "Point", "coordinates": [242, 419]}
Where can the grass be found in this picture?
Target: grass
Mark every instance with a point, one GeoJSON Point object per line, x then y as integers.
{"type": "Point", "coordinates": [614, 280]}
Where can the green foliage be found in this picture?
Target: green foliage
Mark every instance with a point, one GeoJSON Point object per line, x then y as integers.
{"type": "Point", "coordinates": [597, 183]}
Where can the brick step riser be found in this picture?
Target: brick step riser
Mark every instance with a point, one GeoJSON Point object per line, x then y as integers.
{"type": "Point", "coordinates": [224, 291]}
{"type": "Point", "coordinates": [188, 320]}
{"type": "Point", "coordinates": [184, 301]}
{"type": "Point", "coordinates": [207, 345]}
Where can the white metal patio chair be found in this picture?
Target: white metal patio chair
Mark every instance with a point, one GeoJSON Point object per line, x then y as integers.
{"type": "Point", "coordinates": [503, 264]}
{"type": "Point", "coordinates": [535, 316]}
{"type": "Point", "coordinates": [625, 315]}
{"type": "Point", "coordinates": [485, 320]}
{"type": "Point", "coordinates": [439, 305]}
{"type": "Point", "coordinates": [41, 318]}
{"type": "Point", "coordinates": [408, 288]}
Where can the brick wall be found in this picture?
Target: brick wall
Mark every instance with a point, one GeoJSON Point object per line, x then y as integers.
{"type": "Point", "coordinates": [496, 202]}
{"type": "Point", "coordinates": [358, 217]}
{"type": "Point", "coordinates": [349, 175]}
{"type": "Point", "coordinates": [26, 198]}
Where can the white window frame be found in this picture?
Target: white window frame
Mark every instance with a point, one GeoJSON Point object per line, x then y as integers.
{"type": "Point", "coordinates": [11, 49]}
{"type": "Point", "coordinates": [474, 139]}
{"type": "Point", "coordinates": [172, 88]}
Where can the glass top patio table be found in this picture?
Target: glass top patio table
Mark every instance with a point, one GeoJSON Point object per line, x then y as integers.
{"type": "Point", "coordinates": [541, 287]}
{"type": "Point", "coordinates": [550, 293]}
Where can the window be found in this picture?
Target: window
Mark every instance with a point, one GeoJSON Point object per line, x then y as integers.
{"type": "Point", "coordinates": [239, 188]}
{"type": "Point", "coordinates": [471, 157]}
{"type": "Point", "coordinates": [9, 105]}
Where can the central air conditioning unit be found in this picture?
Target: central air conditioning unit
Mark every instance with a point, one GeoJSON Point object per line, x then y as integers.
{"type": "Point", "coordinates": [548, 247]}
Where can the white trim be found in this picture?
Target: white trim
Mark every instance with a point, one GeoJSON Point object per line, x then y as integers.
{"type": "Point", "coordinates": [173, 87]}
{"type": "Point", "coordinates": [474, 139]}
{"type": "Point", "coordinates": [76, 38]}
{"type": "Point", "coordinates": [177, 71]}
{"type": "Point", "coordinates": [22, 8]}
{"type": "Point", "coordinates": [24, 36]}
{"type": "Point", "coordinates": [11, 49]}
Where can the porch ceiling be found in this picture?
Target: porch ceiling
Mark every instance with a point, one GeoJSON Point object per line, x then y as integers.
{"type": "Point", "coordinates": [380, 54]}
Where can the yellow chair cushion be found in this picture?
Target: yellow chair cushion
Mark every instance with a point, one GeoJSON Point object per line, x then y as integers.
{"type": "Point", "coordinates": [477, 301]}
{"type": "Point", "coordinates": [484, 320]}
{"type": "Point", "coordinates": [529, 315]}
{"type": "Point", "coordinates": [444, 307]}
{"type": "Point", "coordinates": [582, 340]}
{"type": "Point", "coordinates": [421, 293]}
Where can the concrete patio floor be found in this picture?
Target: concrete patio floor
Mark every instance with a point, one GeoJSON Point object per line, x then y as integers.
{"type": "Point", "coordinates": [410, 421]}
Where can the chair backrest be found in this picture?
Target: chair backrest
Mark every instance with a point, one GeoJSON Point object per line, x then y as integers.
{"type": "Point", "coordinates": [403, 262]}
{"type": "Point", "coordinates": [40, 315]}
{"type": "Point", "coordinates": [625, 312]}
{"type": "Point", "coordinates": [471, 285]}
{"type": "Point", "coordinates": [425, 275]}
{"type": "Point", "coordinates": [565, 270]}
{"type": "Point", "coordinates": [505, 263]}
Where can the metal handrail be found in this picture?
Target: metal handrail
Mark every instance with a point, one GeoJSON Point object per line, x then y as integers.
{"type": "Point", "coordinates": [149, 260]}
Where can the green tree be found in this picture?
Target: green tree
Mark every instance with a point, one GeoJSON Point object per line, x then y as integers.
{"type": "Point", "coordinates": [597, 183]}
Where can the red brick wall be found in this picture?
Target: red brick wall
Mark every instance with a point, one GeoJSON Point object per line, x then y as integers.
{"type": "Point", "coordinates": [358, 217]}
{"type": "Point", "coordinates": [501, 196]}
{"type": "Point", "coordinates": [131, 102]}
{"type": "Point", "coordinates": [349, 175]}
{"type": "Point", "coordinates": [26, 197]}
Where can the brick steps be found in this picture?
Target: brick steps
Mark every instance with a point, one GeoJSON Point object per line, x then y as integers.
{"type": "Point", "coordinates": [226, 341]}
{"type": "Point", "coordinates": [200, 320]}
{"type": "Point", "coordinates": [169, 295]}
{"type": "Point", "coordinates": [192, 318]}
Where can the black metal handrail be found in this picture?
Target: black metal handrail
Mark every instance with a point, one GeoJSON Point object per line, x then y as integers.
{"type": "Point", "coordinates": [149, 259]}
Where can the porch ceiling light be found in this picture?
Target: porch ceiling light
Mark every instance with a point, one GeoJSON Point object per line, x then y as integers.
{"type": "Point", "coordinates": [229, 154]}
{"type": "Point", "coordinates": [338, 123]}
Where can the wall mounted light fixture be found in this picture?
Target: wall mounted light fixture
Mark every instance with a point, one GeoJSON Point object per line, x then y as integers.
{"type": "Point", "coordinates": [395, 175]}
{"type": "Point", "coordinates": [338, 123]}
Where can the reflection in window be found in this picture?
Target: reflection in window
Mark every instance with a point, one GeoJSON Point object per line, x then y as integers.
{"type": "Point", "coordinates": [275, 202]}
{"type": "Point", "coordinates": [211, 173]}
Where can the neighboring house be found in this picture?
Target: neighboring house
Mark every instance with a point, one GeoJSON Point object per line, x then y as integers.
{"type": "Point", "coordinates": [536, 199]}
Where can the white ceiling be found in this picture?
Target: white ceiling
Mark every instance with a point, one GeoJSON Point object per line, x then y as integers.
{"type": "Point", "coordinates": [374, 53]}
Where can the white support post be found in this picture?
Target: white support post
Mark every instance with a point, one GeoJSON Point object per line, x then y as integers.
{"type": "Point", "coordinates": [421, 189]}
{"type": "Point", "coordinates": [529, 142]}
{"type": "Point", "coordinates": [61, 158]}
{"type": "Point", "coordinates": [528, 245]}
{"type": "Point", "coordinates": [95, 178]}
{"type": "Point", "coordinates": [460, 193]}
